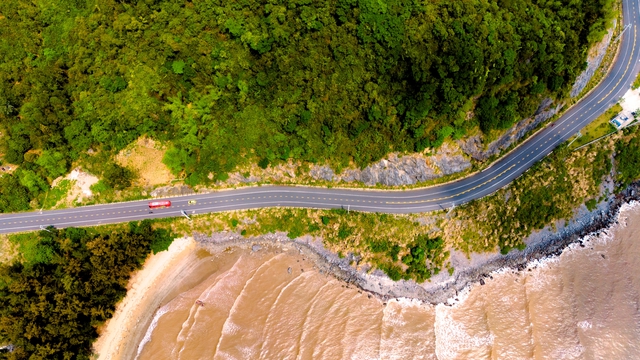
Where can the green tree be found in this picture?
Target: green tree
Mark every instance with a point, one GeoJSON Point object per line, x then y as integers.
{"type": "Point", "coordinates": [116, 176]}
{"type": "Point", "coordinates": [52, 305]}
{"type": "Point", "coordinates": [53, 162]}
{"type": "Point", "coordinates": [13, 195]}
{"type": "Point", "coordinates": [32, 181]}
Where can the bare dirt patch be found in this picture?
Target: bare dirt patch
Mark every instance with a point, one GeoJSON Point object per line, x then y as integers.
{"type": "Point", "coordinates": [145, 158]}
{"type": "Point", "coordinates": [631, 102]}
{"type": "Point", "coordinates": [80, 190]}
{"type": "Point", "coordinates": [8, 251]}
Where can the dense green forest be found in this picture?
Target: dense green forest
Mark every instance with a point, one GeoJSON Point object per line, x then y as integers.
{"type": "Point", "coordinates": [68, 284]}
{"type": "Point", "coordinates": [229, 82]}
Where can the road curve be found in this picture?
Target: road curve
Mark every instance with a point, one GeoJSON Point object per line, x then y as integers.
{"type": "Point", "coordinates": [499, 174]}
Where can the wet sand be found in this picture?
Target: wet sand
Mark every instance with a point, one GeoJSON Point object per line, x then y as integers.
{"type": "Point", "coordinates": [222, 296]}
{"type": "Point", "coordinates": [270, 299]}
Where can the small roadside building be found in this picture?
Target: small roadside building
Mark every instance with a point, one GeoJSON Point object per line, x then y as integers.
{"type": "Point", "coordinates": [621, 121]}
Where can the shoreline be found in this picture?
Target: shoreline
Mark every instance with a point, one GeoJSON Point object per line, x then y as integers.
{"type": "Point", "coordinates": [191, 260]}
{"type": "Point", "coordinates": [144, 291]}
{"type": "Point", "coordinates": [436, 292]}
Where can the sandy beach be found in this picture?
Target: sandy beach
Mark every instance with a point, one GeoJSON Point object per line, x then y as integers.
{"type": "Point", "coordinates": [146, 288]}
{"type": "Point", "coordinates": [269, 298]}
{"type": "Point", "coordinates": [190, 262]}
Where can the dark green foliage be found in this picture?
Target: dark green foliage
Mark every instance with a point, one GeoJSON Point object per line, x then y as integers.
{"type": "Point", "coordinates": [340, 212]}
{"type": "Point", "coordinates": [393, 252]}
{"type": "Point", "coordinates": [295, 232]}
{"type": "Point", "coordinates": [161, 240]}
{"type": "Point", "coordinates": [344, 231]}
{"type": "Point", "coordinates": [591, 204]}
{"type": "Point", "coordinates": [99, 187]}
{"type": "Point", "coordinates": [13, 195]}
{"type": "Point", "coordinates": [393, 271]}
{"type": "Point", "coordinates": [234, 222]}
{"type": "Point", "coordinates": [263, 163]}
{"type": "Point", "coordinates": [116, 176]}
{"type": "Point", "coordinates": [422, 250]}
{"type": "Point", "coordinates": [505, 249]}
{"type": "Point", "coordinates": [54, 163]}
{"type": "Point", "coordinates": [52, 304]}
{"type": "Point", "coordinates": [115, 84]}
{"type": "Point", "coordinates": [422, 258]}
{"type": "Point", "coordinates": [628, 161]}
{"type": "Point", "coordinates": [380, 246]}
{"type": "Point", "coordinates": [335, 80]}
{"type": "Point", "coordinates": [326, 220]}
{"type": "Point", "coordinates": [178, 67]}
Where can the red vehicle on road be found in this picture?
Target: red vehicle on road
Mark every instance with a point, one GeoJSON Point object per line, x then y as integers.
{"type": "Point", "coordinates": [159, 204]}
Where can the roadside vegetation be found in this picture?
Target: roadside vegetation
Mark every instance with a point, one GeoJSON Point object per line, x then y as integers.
{"type": "Point", "coordinates": [597, 128]}
{"type": "Point", "coordinates": [419, 246]}
{"type": "Point", "coordinates": [399, 245]}
{"type": "Point", "coordinates": [262, 83]}
{"type": "Point", "coordinates": [636, 83]}
{"type": "Point", "coordinates": [628, 157]}
{"type": "Point", "coordinates": [550, 191]}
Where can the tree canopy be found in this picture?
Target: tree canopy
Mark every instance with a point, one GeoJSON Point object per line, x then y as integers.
{"type": "Point", "coordinates": [52, 303]}
{"type": "Point", "coordinates": [227, 82]}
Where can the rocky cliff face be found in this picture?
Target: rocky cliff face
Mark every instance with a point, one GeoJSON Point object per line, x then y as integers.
{"type": "Point", "coordinates": [401, 170]}
{"type": "Point", "coordinates": [172, 191]}
{"type": "Point", "coordinates": [596, 54]}
{"type": "Point", "coordinates": [473, 146]}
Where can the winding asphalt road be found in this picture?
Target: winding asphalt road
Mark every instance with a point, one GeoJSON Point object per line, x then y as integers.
{"type": "Point", "coordinates": [501, 173]}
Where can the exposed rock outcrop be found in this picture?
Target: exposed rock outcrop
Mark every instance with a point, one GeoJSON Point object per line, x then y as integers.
{"type": "Point", "coordinates": [172, 191]}
{"type": "Point", "coordinates": [473, 145]}
{"type": "Point", "coordinates": [323, 172]}
{"type": "Point", "coordinates": [596, 54]}
{"type": "Point", "coordinates": [237, 178]}
{"type": "Point", "coordinates": [401, 170]}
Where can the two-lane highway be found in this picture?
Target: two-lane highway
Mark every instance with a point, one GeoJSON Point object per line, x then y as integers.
{"type": "Point", "coordinates": [501, 173]}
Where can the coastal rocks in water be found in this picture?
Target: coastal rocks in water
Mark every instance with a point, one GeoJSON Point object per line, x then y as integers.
{"type": "Point", "coordinates": [594, 58]}
{"type": "Point", "coordinates": [401, 170]}
{"type": "Point", "coordinates": [172, 191]}
{"type": "Point", "coordinates": [473, 145]}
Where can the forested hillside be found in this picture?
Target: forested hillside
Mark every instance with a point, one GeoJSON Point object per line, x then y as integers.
{"type": "Point", "coordinates": [227, 82]}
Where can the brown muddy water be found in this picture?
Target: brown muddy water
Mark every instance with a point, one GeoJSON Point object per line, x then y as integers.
{"type": "Point", "coordinates": [272, 304]}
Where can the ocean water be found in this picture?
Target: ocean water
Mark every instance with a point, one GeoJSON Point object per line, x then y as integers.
{"type": "Point", "coordinates": [583, 304]}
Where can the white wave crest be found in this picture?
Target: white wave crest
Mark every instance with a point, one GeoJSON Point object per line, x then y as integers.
{"type": "Point", "coordinates": [147, 336]}
{"type": "Point", "coordinates": [452, 337]}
